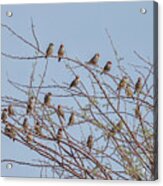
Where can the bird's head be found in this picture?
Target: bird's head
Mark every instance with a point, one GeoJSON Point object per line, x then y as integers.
{"type": "Point", "coordinates": [49, 94]}
{"type": "Point", "coordinates": [97, 55]}
{"type": "Point", "coordinates": [51, 44]}
{"type": "Point", "coordinates": [59, 106]}
{"type": "Point", "coordinates": [5, 110]}
{"type": "Point", "coordinates": [25, 119]}
{"type": "Point", "coordinates": [37, 123]}
{"type": "Point", "coordinates": [60, 129]}
{"type": "Point", "coordinates": [62, 46]}
{"type": "Point", "coordinates": [32, 98]}
{"type": "Point", "coordinates": [109, 63]}
{"type": "Point", "coordinates": [90, 137]}
{"type": "Point", "coordinates": [126, 79]}
{"type": "Point", "coordinates": [78, 77]}
{"type": "Point", "coordinates": [139, 79]}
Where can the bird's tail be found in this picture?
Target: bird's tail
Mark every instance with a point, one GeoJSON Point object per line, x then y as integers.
{"type": "Point", "coordinates": [59, 59]}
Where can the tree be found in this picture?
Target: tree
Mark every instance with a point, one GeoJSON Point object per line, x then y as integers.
{"type": "Point", "coordinates": [121, 140]}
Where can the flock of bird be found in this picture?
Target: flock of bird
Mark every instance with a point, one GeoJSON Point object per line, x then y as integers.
{"type": "Point", "coordinates": [9, 112]}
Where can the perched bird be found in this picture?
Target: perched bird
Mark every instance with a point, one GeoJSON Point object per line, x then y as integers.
{"type": "Point", "coordinates": [128, 91]}
{"type": "Point", "coordinates": [49, 50]}
{"type": "Point", "coordinates": [29, 137]}
{"type": "Point", "coordinates": [47, 99]}
{"type": "Point", "coordinates": [25, 125]}
{"type": "Point", "coordinates": [137, 111]}
{"type": "Point", "coordinates": [75, 82]}
{"type": "Point", "coordinates": [11, 110]}
{"type": "Point", "coordinates": [94, 60]}
{"type": "Point", "coordinates": [90, 142]}
{"type": "Point", "coordinates": [4, 115]}
{"type": "Point", "coordinates": [59, 135]}
{"type": "Point", "coordinates": [138, 86]}
{"type": "Point", "coordinates": [119, 126]}
{"type": "Point", "coordinates": [111, 133]}
{"type": "Point", "coordinates": [122, 83]}
{"type": "Point", "coordinates": [107, 67]}
{"type": "Point", "coordinates": [37, 128]}
{"type": "Point", "coordinates": [31, 104]}
{"type": "Point", "coordinates": [61, 112]}
{"type": "Point", "coordinates": [71, 119]}
{"type": "Point", "coordinates": [10, 131]}
{"type": "Point", "coordinates": [61, 52]}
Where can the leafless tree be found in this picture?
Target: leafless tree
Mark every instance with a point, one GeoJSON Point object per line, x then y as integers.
{"type": "Point", "coordinates": [121, 123]}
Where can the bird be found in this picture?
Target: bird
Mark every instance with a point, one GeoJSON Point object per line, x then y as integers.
{"type": "Point", "coordinates": [37, 128]}
{"type": "Point", "coordinates": [94, 60]}
{"type": "Point", "coordinates": [25, 125]}
{"type": "Point", "coordinates": [31, 104]}
{"type": "Point", "coordinates": [59, 135]}
{"type": "Point", "coordinates": [61, 52]}
{"type": "Point", "coordinates": [107, 67]}
{"type": "Point", "coordinates": [128, 91]}
{"type": "Point", "coordinates": [111, 133]}
{"type": "Point", "coordinates": [10, 131]}
{"type": "Point", "coordinates": [138, 86]}
{"type": "Point", "coordinates": [90, 142]}
{"type": "Point", "coordinates": [47, 99]}
{"type": "Point", "coordinates": [49, 50]}
{"type": "Point", "coordinates": [71, 119]}
{"type": "Point", "coordinates": [122, 83]}
{"type": "Point", "coordinates": [11, 110]}
{"type": "Point", "coordinates": [75, 82]}
{"type": "Point", "coordinates": [61, 112]}
{"type": "Point", "coordinates": [29, 137]}
{"type": "Point", "coordinates": [137, 111]}
{"type": "Point", "coordinates": [119, 126]}
{"type": "Point", "coordinates": [4, 115]}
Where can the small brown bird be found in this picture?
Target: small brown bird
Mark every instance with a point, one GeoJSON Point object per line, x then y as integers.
{"type": "Point", "coordinates": [47, 99]}
{"type": "Point", "coordinates": [61, 52]}
{"type": "Point", "coordinates": [61, 112]}
{"type": "Point", "coordinates": [59, 135]}
{"type": "Point", "coordinates": [29, 137]}
{"type": "Point", "coordinates": [38, 128]}
{"type": "Point", "coordinates": [90, 142]}
{"type": "Point", "coordinates": [4, 115]}
{"type": "Point", "coordinates": [94, 60]}
{"type": "Point", "coordinates": [10, 131]}
{"type": "Point", "coordinates": [49, 50]}
{"type": "Point", "coordinates": [11, 110]}
{"type": "Point", "coordinates": [111, 133]}
{"type": "Point", "coordinates": [137, 112]}
{"type": "Point", "coordinates": [119, 126]}
{"type": "Point", "coordinates": [71, 119]}
{"type": "Point", "coordinates": [107, 67]}
{"type": "Point", "coordinates": [31, 104]}
{"type": "Point", "coordinates": [75, 82]}
{"type": "Point", "coordinates": [122, 83]}
{"type": "Point", "coordinates": [25, 125]}
{"type": "Point", "coordinates": [138, 86]}
{"type": "Point", "coordinates": [128, 91]}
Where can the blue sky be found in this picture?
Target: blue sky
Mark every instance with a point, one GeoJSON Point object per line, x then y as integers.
{"type": "Point", "coordinates": [81, 27]}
